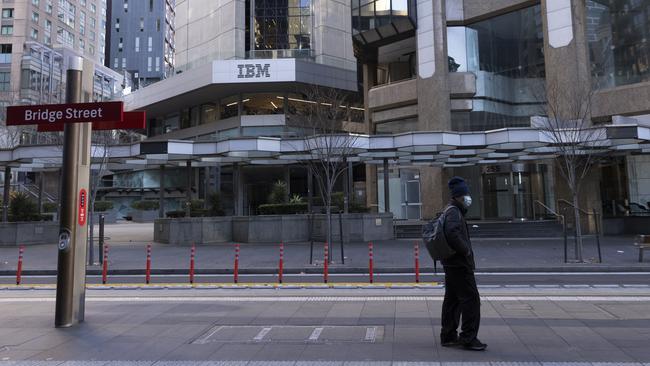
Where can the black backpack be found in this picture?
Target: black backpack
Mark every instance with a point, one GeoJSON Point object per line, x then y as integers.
{"type": "Point", "coordinates": [433, 235]}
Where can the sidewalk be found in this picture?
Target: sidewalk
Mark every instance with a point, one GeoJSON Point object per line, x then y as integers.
{"type": "Point", "coordinates": [192, 328]}
{"type": "Point", "coordinates": [545, 254]}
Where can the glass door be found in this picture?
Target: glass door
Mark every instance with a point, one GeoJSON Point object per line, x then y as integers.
{"type": "Point", "coordinates": [498, 196]}
{"type": "Point", "coordinates": [411, 202]}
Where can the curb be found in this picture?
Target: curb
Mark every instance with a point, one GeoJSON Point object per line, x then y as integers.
{"type": "Point", "coordinates": [344, 270]}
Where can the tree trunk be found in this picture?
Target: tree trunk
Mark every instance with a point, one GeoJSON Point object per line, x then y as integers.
{"type": "Point", "coordinates": [578, 224]}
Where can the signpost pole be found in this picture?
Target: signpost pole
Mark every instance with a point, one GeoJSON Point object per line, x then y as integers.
{"type": "Point", "coordinates": [71, 270]}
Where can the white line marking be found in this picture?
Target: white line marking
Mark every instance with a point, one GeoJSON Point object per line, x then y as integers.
{"type": "Point", "coordinates": [204, 339]}
{"type": "Point", "coordinates": [371, 334]}
{"type": "Point", "coordinates": [262, 334]}
{"type": "Point", "coordinates": [171, 299]}
{"type": "Point", "coordinates": [315, 334]}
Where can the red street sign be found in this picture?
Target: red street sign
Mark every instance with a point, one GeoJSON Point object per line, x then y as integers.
{"type": "Point", "coordinates": [82, 207]}
{"type": "Point", "coordinates": [131, 121]}
{"type": "Point", "coordinates": [64, 113]}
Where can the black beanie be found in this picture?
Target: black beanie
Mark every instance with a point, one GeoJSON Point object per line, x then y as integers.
{"type": "Point", "coordinates": [458, 187]}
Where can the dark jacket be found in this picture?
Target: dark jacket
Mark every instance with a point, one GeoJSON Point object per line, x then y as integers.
{"type": "Point", "coordinates": [457, 235]}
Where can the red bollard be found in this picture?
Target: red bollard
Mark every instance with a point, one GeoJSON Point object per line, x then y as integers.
{"type": "Point", "coordinates": [105, 265]}
{"type": "Point", "coordinates": [192, 254]}
{"type": "Point", "coordinates": [370, 264]}
{"type": "Point", "coordinates": [281, 264]}
{"type": "Point", "coordinates": [19, 268]}
{"type": "Point", "coordinates": [148, 270]}
{"type": "Point", "coordinates": [236, 270]}
{"type": "Point", "coordinates": [417, 262]}
{"type": "Point", "coordinates": [326, 263]}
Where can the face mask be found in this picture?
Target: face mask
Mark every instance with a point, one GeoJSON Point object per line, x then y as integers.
{"type": "Point", "coordinates": [467, 201]}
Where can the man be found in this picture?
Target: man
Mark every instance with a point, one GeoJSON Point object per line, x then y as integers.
{"type": "Point", "coordinates": [461, 295]}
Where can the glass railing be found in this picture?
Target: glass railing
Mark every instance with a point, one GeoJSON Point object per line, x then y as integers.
{"type": "Point", "coordinates": [273, 54]}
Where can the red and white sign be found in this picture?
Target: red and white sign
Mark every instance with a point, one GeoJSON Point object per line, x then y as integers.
{"type": "Point", "coordinates": [64, 113]}
{"type": "Point", "coordinates": [83, 203]}
{"type": "Point", "coordinates": [132, 121]}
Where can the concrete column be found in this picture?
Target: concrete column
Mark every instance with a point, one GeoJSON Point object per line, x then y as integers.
{"type": "Point", "coordinates": [369, 81]}
{"type": "Point", "coordinates": [40, 192]}
{"type": "Point", "coordinates": [238, 195]}
{"type": "Point", "coordinates": [287, 179]}
{"type": "Point", "coordinates": [371, 188]}
{"type": "Point", "coordinates": [188, 192]}
{"type": "Point", "coordinates": [161, 193]}
{"type": "Point", "coordinates": [310, 190]}
{"type": "Point", "coordinates": [566, 54]}
{"type": "Point", "coordinates": [433, 191]}
{"type": "Point", "coordinates": [434, 109]}
{"type": "Point", "coordinates": [386, 187]}
{"type": "Point", "coordinates": [5, 196]}
{"type": "Point", "coordinates": [346, 188]}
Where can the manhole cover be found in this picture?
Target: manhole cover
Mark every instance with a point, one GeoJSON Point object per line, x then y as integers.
{"type": "Point", "coordinates": [291, 334]}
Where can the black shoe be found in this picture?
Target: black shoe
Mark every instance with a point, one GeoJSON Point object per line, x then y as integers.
{"type": "Point", "coordinates": [450, 343]}
{"type": "Point", "coordinates": [475, 345]}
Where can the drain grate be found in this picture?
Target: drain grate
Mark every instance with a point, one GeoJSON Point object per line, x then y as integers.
{"type": "Point", "coordinates": [291, 334]}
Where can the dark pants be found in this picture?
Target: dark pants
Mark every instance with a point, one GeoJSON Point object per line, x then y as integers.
{"type": "Point", "coordinates": [461, 299]}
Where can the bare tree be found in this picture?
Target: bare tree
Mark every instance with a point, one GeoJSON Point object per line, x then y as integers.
{"type": "Point", "coordinates": [568, 127]}
{"type": "Point", "coordinates": [323, 115]}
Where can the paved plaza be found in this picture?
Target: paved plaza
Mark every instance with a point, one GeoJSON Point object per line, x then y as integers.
{"type": "Point", "coordinates": [323, 327]}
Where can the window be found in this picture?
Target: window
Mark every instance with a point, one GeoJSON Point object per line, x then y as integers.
{"type": "Point", "coordinates": [124, 62]}
{"type": "Point", "coordinates": [7, 30]}
{"type": "Point", "coordinates": [141, 24]}
{"type": "Point", "coordinates": [48, 26]}
{"type": "Point", "coordinates": [7, 13]}
{"type": "Point", "coordinates": [5, 53]}
{"type": "Point", "coordinates": [137, 44]}
{"type": "Point", "coordinates": [93, 8]}
{"type": "Point", "coordinates": [35, 2]}
{"type": "Point", "coordinates": [618, 32]}
{"type": "Point", "coordinates": [115, 63]}
{"type": "Point", "coordinates": [92, 35]}
{"type": "Point", "coordinates": [47, 39]}
{"type": "Point", "coordinates": [149, 63]}
{"type": "Point", "coordinates": [93, 22]}
{"type": "Point", "coordinates": [280, 25]}
{"type": "Point", "coordinates": [5, 79]}
{"type": "Point", "coordinates": [157, 25]}
{"type": "Point", "coordinates": [149, 45]}
{"type": "Point", "coordinates": [91, 50]}
{"type": "Point", "coordinates": [35, 17]}
{"type": "Point", "coordinates": [117, 24]}
{"type": "Point", "coordinates": [126, 6]}
{"type": "Point", "coordinates": [120, 45]}
{"type": "Point", "coordinates": [82, 2]}
{"type": "Point", "coordinates": [157, 63]}
{"type": "Point", "coordinates": [34, 34]}
{"type": "Point", "coordinates": [82, 44]}
{"type": "Point", "coordinates": [150, 5]}
{"type": "Point", "coordinates": [48, 7]}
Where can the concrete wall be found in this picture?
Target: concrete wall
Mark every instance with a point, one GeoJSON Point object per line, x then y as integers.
{"type": "Point", "coordinates": [198, 230]}
{"type": "Point", "coordinates": [474, 10]}
{"type": "Point", "coordinates": [271, 229]}
{"type": "Point", "coordinates": [209, 30]}
{"type": "Point", "coordinates": [28, 233]}
{"type": "Point", "coordinates": [332, 38]}
{"type": "Point", "coordinates": [623, 100]}
{"type": "Point", "coordinates": [143, 216]}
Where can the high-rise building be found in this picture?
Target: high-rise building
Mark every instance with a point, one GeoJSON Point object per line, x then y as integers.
{"type": "Point", "coordinates": [36, 40]}
{"type": "Point", "coordinates": [141, 39]}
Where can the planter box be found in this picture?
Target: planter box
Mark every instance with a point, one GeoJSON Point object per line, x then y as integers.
{"type": "Point", "coordinates": [143, 216]}
{"type": "Point", "coordinates": [28, 233]}
{"type": "Point", "coordinates": [270, 229]}
{"type": "Point", "coordinates": [356, 227]}
{"type": "Point", "coordinates": [197, 230]}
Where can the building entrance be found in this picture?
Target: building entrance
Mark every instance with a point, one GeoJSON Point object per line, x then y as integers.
{"type": "Point", "coordinates": [510, 191]}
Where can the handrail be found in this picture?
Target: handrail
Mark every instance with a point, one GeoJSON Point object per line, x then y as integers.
{"type": "Point", "coordinates": [548, 209]}
{"type": "Point", "coordinates": [562, 200]}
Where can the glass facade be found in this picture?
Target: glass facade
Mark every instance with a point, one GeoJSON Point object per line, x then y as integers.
{"type": "Point", "coordinates": [618, 32]}
{"type": "Point", "coordinates": [506, 55]}
{"type": "Point", "coordinates": [371, 14]}
{"type": "Point", "coordinates": [273, 25]}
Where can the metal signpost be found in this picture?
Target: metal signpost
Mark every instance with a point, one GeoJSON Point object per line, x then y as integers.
{"type": "Point", "coordinates": [77, 121]}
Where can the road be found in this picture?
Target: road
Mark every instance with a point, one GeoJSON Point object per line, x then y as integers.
{"type": "Point", "coordinates": [324, 327]}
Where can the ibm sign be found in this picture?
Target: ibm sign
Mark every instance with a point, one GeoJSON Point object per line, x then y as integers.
{"type": "Point", "coordinates": [253, 71]}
